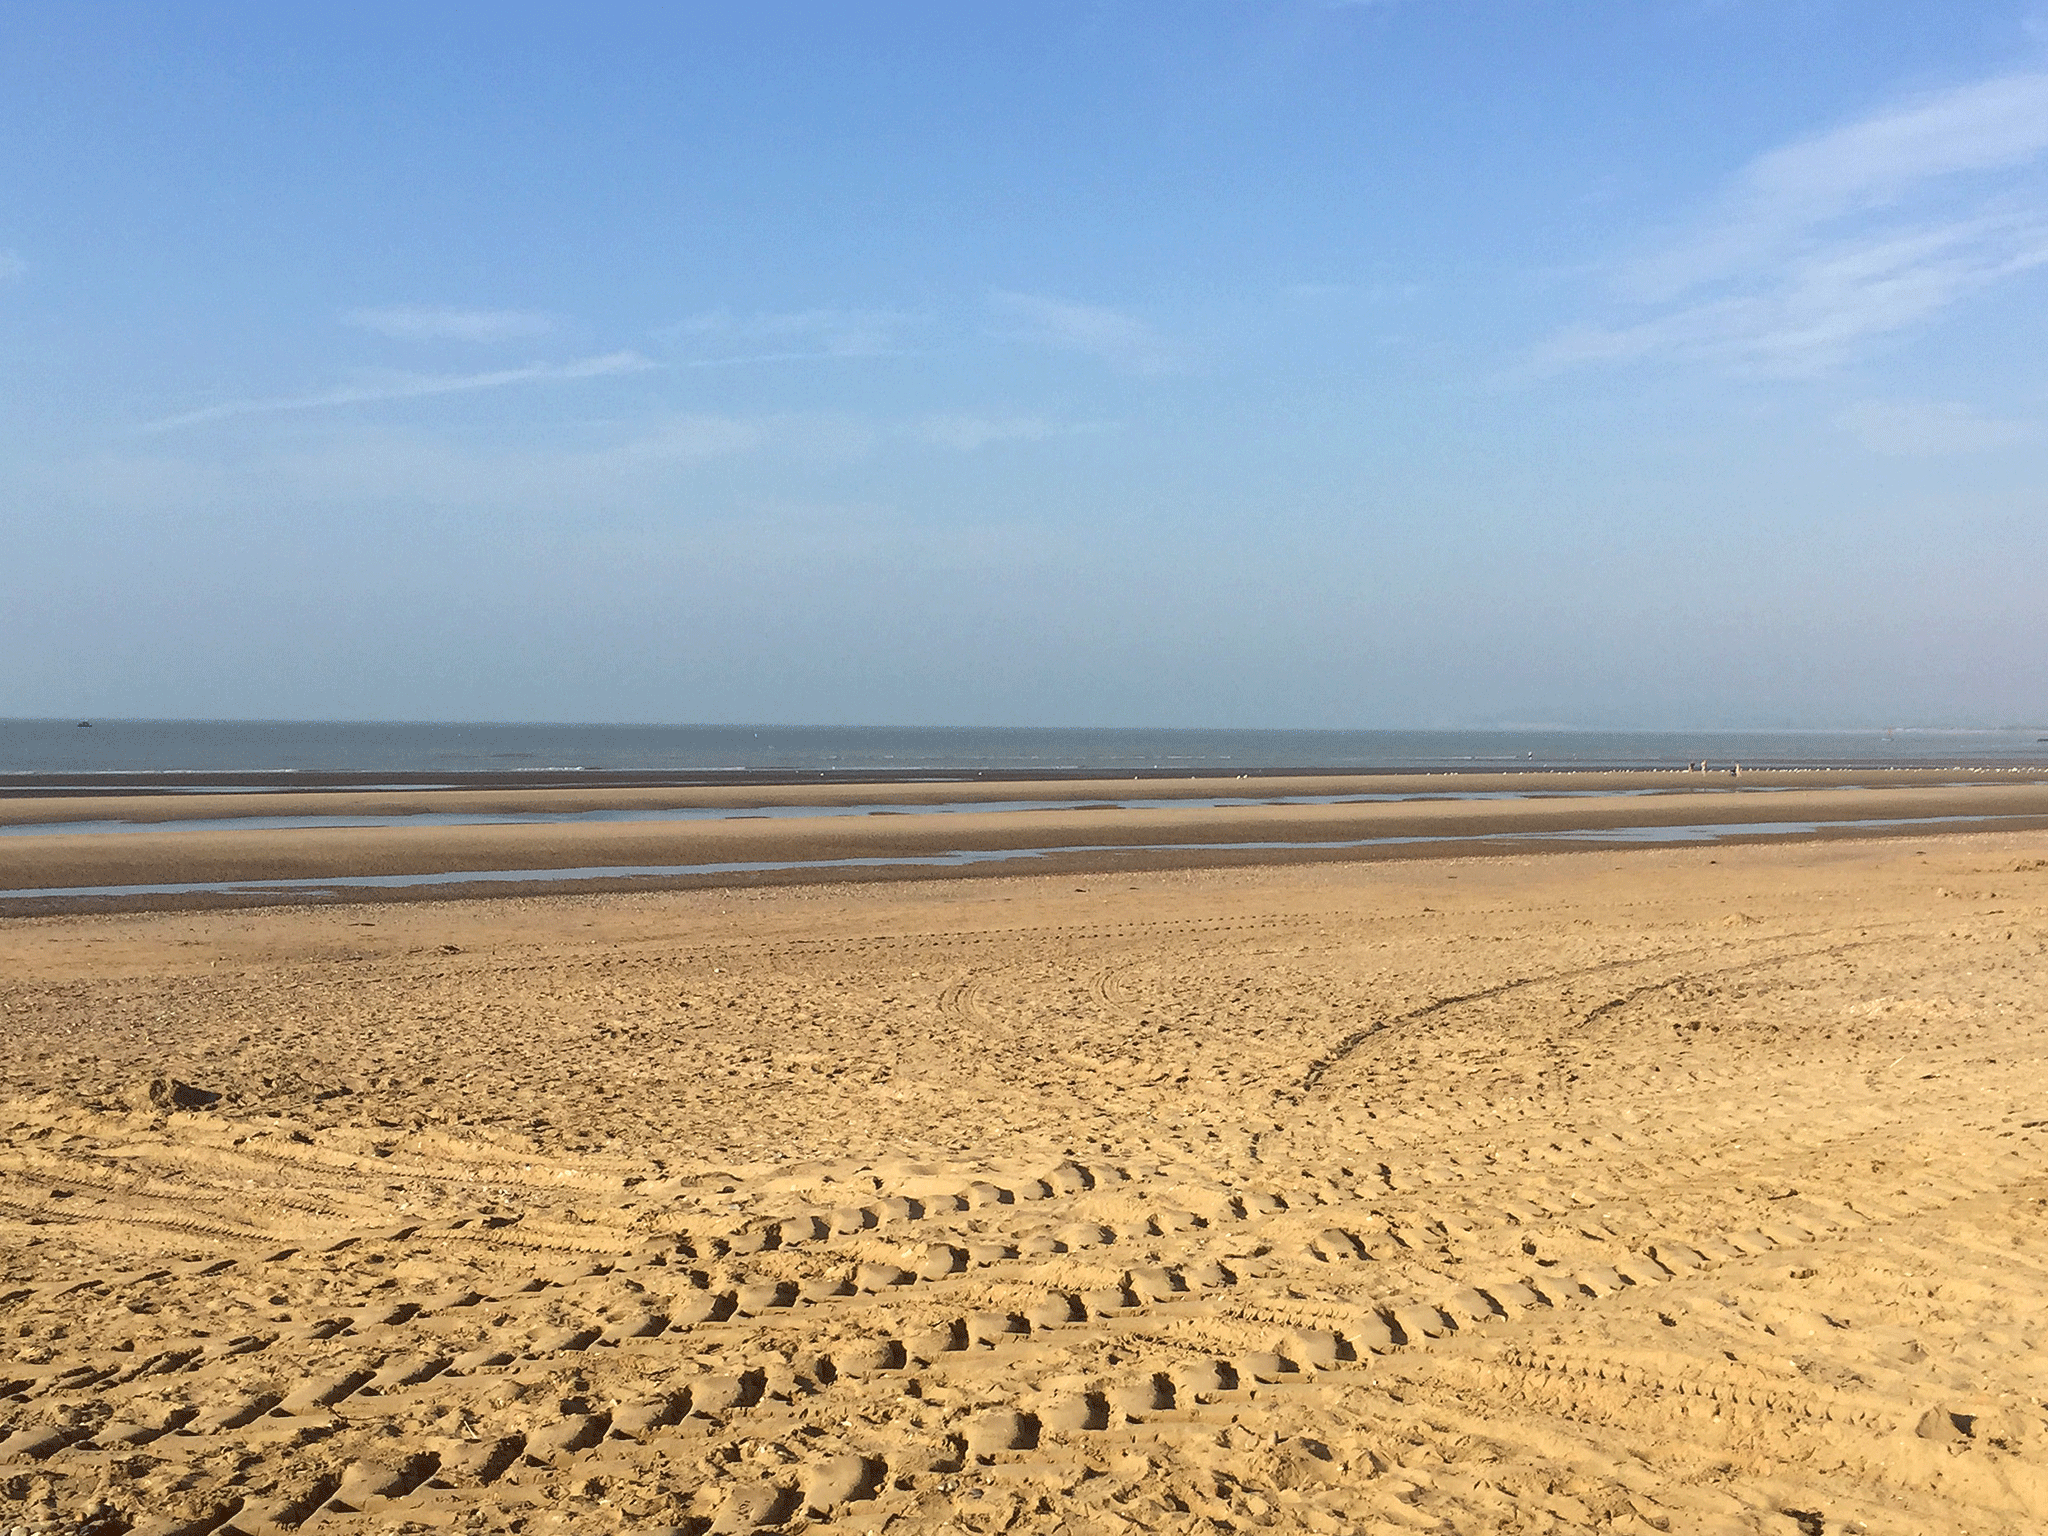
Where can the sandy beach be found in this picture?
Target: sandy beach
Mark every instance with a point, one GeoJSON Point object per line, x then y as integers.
{"type": "Point", "coordinates": [168, 850]}
{"type": "Point", "coordinates": [1688, 1189]}
{"type": "Point", "coordinates": [1051, 770]}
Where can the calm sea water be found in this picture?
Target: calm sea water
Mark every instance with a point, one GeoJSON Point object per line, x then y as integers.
{"type": "Point", "coordinates": [62, 747]}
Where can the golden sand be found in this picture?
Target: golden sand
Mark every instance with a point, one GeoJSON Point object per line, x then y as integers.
{"type": "Point", "coordinates": [1688, 1190]}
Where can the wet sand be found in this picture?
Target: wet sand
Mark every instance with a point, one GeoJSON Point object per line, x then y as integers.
{"type": "Point", "coordinates": [1650, 1190]}
{"type": "Point", "coordinates": [1087, 832]}
{"type": "Point", "coordinates": [17, 806]}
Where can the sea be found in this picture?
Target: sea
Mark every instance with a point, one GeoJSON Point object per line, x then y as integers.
{"type": "Point", "coordinates": [260, 753]}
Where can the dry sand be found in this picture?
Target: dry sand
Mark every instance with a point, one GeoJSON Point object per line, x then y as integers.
{"type": "Point", "coordinates": [1667, 1190]}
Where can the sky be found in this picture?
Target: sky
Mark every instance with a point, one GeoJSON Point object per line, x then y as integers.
{"type": "Point", "coordinates": [1655, 363]}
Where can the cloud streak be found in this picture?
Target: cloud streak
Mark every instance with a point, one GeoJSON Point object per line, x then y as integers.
{"type": "Point", "coordinates": [719, 337]}
{"type": "Point", "coordinates": [1923, 428]}
{"type": "Point", "coordinates": [11, 266]}
{"type": "Point", "coordinates": [967, 434]}
{"type": "Point", "coordinates": [1819, 247]}
{"type": "Point", "coordinates": [1123, 341]}
{"type": "Point", "coordinates": [426, 322]}
{"type": "Point", "coordinates": [639, 462]}
{"type": "Point", "coordinates": [412, 387]}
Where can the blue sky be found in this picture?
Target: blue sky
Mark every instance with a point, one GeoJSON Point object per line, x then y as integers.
{"type": "Point", "coordinates": [1292, 364]}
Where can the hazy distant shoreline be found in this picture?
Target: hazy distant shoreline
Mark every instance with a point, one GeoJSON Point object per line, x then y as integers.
{"type": "Point", "coordinates": [128, 756]}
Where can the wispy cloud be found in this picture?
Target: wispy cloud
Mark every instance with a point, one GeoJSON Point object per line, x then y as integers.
{"type": "Point", "coordinates": [1820, 246]}
{"type": "Point", "coordinates": [968, 433]}
{"type": "Point", "coordinates": [1123, 341]}
{"type": "Point", "coordinates": [11, 266]}
{"type": "Point", "coordinates": [641, 461]}
{"type": "Point", "coordinates": [1919, 428]}
{"type": "Point", "coordinates": [720, 337]}
{"type": "Point", "coordinates": [1369, 293]}
{"type": "Point", "coordinates": [399, 463]}
{"type": "Point", "coordinates": [428, 322]}
{"type": "Point", "coordinates": [410, 386]}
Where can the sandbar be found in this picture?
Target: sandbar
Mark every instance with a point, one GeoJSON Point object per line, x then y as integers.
{"type": "Point", "coordinates": [1075, 828]}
